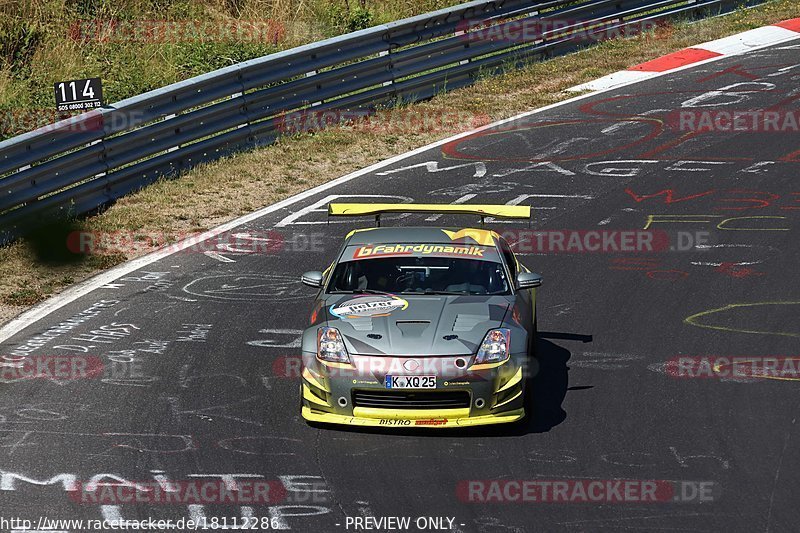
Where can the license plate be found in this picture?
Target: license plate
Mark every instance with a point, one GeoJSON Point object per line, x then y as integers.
{"type": "Point", "coordinates": [410, 382]}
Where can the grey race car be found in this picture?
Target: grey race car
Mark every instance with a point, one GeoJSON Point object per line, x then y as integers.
{"type": "Point", "coordinates": [419, 326]}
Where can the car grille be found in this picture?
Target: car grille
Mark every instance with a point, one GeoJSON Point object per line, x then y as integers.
{"type": "Point", "coordinates": [411, 399]}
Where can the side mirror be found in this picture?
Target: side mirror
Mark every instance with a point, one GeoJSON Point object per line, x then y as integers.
{"type": "Point", "coordinates": [312, 279]}
{"type": "Point", "coordinates": [528, 280]}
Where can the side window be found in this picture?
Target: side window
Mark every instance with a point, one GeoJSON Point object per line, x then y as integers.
{"type": "Point", "coordinates": [511, 261]}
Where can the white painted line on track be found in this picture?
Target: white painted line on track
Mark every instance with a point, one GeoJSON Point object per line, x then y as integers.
{"type": "Point", "coordinates": [219, 257]}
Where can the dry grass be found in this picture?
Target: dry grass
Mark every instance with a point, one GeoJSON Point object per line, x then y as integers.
{"type": "Point", "coordinates": [215, 193]}
{"type": "Point", "coordinates": [46, 41]}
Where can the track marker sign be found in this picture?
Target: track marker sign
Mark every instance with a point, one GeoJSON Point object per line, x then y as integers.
{"type": "Point", "coordinates": [78, 95]}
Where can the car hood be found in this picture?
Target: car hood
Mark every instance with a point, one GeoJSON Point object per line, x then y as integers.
{"type": "Point", "coordinates": [430, 325]}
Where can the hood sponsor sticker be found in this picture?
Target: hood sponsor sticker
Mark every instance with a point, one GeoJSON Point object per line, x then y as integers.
{"type": "Point", "coordinates": [369, 306]}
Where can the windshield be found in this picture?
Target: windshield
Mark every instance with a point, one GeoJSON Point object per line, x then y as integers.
{"type": "Point", "coordinates": [420, 275]}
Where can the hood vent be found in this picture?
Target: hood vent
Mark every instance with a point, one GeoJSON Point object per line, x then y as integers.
{"type": "Point", "coordinates": [361, 323]}
{"type": "Point", "coordinates": [412, 328]}
{"type": "Point", "coordinates": [465, 322]}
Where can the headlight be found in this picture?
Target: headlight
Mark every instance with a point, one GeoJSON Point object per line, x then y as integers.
{"type": "Point", "coordinates": [495, 346]}
{"type": "Point", "coordinates": [330, 346]}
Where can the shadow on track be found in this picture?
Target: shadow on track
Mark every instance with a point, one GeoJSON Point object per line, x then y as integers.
{"type": "Point", "coordinates": [549, 388]}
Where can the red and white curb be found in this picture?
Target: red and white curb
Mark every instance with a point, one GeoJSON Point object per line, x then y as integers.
{"type": "Point", "coordinates": [727, 46]}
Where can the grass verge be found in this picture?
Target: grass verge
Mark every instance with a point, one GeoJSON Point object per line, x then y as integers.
{"type": "Point", "coordinates": [140, 45]}
{"type": "Point", "coordinates": [214, 193]}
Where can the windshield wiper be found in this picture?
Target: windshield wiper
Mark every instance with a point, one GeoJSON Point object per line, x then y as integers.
{"type": "Point", "coordinates": [359, 291]}
{"type": "Point", "coordinates": [430, 291]}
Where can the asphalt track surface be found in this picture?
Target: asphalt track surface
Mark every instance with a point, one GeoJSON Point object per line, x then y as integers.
{"type": "Point", "coordinates": [216, 399]}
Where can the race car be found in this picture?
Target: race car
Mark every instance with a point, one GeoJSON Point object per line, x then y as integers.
{"type": "Point", "coordinates": [420, 326]}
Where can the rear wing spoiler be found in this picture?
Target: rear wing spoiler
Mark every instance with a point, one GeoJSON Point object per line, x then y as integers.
{"type": "Point", "coordinates": [522, 212]}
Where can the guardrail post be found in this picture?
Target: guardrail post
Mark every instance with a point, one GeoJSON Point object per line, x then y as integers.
{"type": "Point", "coordinates": [173, 115]}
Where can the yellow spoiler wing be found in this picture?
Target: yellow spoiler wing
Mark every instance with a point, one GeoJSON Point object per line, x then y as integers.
{"type": "Point", "coordinates": [482, 210]}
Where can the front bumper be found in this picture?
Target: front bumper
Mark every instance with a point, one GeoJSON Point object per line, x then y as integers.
{"type": "Point", "coordinates": [433, 419]}
{"type": "Point", "coordinates": [494, 394]}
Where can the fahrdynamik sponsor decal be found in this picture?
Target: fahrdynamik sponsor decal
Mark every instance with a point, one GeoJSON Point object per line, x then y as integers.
{"type": "Point", "coordinates": [410, 249]}
{"type": "Point", "coordinates": [424, 422]}
{"type": "Point", "coordinates": [367, 306]}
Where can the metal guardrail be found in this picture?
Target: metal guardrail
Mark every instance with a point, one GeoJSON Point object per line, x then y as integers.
{"type": "Point", "coordinates": [83, 163]}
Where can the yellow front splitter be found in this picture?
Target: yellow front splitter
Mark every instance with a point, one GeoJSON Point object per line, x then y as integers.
{"type": "Point", "coordinates": [431, 422]}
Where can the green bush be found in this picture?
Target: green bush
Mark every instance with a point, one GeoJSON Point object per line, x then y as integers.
{"type": "Point", "coordinates": [359, 19]}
